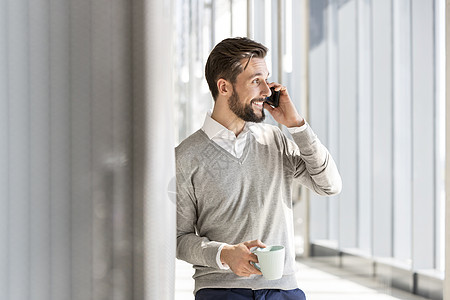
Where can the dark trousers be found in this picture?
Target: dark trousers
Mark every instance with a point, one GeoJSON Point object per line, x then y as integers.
{"type": "Point", "coordinates": [247, 294]}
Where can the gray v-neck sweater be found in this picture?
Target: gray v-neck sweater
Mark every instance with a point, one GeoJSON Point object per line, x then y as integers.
{"type": "Point", "coordinates": [224, 199]}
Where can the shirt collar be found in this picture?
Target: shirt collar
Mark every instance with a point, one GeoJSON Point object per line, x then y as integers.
{"type": "Point", "coordinates": [213, 129]}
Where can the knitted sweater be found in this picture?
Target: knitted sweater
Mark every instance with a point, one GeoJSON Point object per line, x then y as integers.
{"type": "Point", "coordinates": [224, 199]}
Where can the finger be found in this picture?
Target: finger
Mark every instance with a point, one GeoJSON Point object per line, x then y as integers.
{"type": "Point", "coordinates": [253, 258]}
{"type": "Point", "coordinates": [253, 269]}
{"type": "Point", "coordinates": [284, 90]}
{"type": "Point", "coordinates": [277, 86]}
{"type": "Point", "coordinates": [243, 274]}
{"type": "Point", "coordinates": [272, 84]}
{"type": "Point", "coordinates": [254, 243]}
{"type": "Point", "coordinates": [280, 88]}
{"type": "Point", "coordinates": [246, 270]}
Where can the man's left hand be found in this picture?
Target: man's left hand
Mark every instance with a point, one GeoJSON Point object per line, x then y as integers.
{"type": "Point", "coordinates": [285, 113]}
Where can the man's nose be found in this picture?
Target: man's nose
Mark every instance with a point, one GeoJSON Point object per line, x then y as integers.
{"type": "Point", "coordinates": [265, 92]}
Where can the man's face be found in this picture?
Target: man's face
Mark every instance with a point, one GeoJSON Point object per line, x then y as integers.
{"type": "Point", "coordinates": [249, 92]}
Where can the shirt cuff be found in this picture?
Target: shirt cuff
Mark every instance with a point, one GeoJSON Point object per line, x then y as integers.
{"type": "Point", "coordinates": [219, 263]}
{"type": "Point", "coordinates": [293, 130]}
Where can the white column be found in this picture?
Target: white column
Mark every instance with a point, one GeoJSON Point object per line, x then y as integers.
{"type": "Point", "coordinates": [346, 18]}
{"type": "Point", "coordinates": [18, 243]}
{"type": "Point", "coordinates": [382, 130]}
{"type": "Point", "coordinates": [304, 82]}
{"type": "Point", "coordinates": [250, 19]}
{"type": "Point", "coordinates": [318, 106]}
{"type": "Point", "coordinates": [280, 39]}
{"type": "Point", "coordinates": [365, 154]}
{"type": "Point", "coordinates": [447, 157]}
{"type": "Point", "coordinates": [423, 130]}
{"type": "Point", "coordinates": [4, 152]}
{"type": "Point", "coordinates": [154, 211]}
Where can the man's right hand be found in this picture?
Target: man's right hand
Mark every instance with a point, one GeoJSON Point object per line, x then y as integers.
{"type": "Point", "coordinates": [238, 257]}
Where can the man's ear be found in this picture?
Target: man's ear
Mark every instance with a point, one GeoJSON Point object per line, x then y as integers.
{"type": "Point", "coordinates": [224, 87]}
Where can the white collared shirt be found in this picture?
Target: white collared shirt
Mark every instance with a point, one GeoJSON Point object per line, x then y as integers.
{"type": "Point", "coordinates": [235, 145]}
{"type": "Point", "coordinates": [226, 138]}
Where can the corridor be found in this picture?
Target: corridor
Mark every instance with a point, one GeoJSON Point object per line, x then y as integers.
{"type": "Point", "coordinates": [319, 280]}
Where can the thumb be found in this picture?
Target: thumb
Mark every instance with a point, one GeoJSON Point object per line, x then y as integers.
{"type": "Point", "coordinates": [254, 243]}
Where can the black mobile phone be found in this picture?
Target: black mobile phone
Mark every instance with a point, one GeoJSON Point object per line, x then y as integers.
{"type": "Point", "coordinates": [274, 99]}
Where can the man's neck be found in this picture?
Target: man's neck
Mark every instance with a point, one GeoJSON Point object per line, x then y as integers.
{"type": "Point", "coordinates": [228, 119]}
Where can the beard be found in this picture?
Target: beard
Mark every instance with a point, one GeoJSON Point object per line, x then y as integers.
{"type": "Point", "coordinates": [244, 111]}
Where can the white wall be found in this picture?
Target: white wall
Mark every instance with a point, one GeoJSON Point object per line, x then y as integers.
{"type": "Point", "coordinates": [374, 101]}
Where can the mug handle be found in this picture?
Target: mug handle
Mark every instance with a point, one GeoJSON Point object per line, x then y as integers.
{"type": "Point", "coordinates": [256, 265]}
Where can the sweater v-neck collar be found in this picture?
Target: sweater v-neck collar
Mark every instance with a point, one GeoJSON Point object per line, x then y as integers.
{"type": "Point", "coordinates": [245, 152]}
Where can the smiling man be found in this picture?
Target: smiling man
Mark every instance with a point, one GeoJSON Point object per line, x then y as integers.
{"type": "Point", "coordinates": [234, 178]}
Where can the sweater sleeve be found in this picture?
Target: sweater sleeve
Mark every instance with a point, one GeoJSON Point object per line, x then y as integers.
{"type": "Point", "coordinates": [313, 164]}
{"type": "Point", "coordinates": [192, 248]}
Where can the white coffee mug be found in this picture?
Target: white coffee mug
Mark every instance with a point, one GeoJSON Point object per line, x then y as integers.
{"type": "Point", "coordinates": [270, 261]}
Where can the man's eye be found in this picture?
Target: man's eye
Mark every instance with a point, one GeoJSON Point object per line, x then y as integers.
{"type": "Point", "coordinates": [256, 81]}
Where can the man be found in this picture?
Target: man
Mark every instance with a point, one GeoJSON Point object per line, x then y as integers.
{"type": "Point", "coordinates": [234, 179]}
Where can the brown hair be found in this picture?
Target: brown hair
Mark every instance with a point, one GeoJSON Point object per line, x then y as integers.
{"type": "Point", "coordinates": [224, 61]}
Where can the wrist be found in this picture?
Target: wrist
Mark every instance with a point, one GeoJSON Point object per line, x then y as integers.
{"type": "Point", "coordinates": [224, 253]}
{"type": "Point", "coordinates": [297, 123]}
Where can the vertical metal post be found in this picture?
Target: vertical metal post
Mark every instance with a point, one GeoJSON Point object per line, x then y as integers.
{"type": "Point", "coordinates": [213, 23]}
{"type": "Point", "coordinates": [280, 32]}
{"type": "Point", "coordinates": [447, 153]}
{"type": "Point", "coordinates": [280, 47]}
{"type": "Point", "coordinates": [305, 111]}
{"type": "Point", "coordinates": [231, 17]}
{"type": "Point", "coordinates": [250, 15]}
{"type": "Point", "coordinates": [305, 60]}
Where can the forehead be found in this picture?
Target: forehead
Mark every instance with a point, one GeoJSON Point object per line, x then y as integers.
{"type": "Point", "coordinates": [256, 67]}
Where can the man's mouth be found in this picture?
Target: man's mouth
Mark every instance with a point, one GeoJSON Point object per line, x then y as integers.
{"type": "Point", "coordinates": [258, 103]}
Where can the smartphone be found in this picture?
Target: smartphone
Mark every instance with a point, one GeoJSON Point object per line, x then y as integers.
{"type": "Point", "coordinates": [274, 99]}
